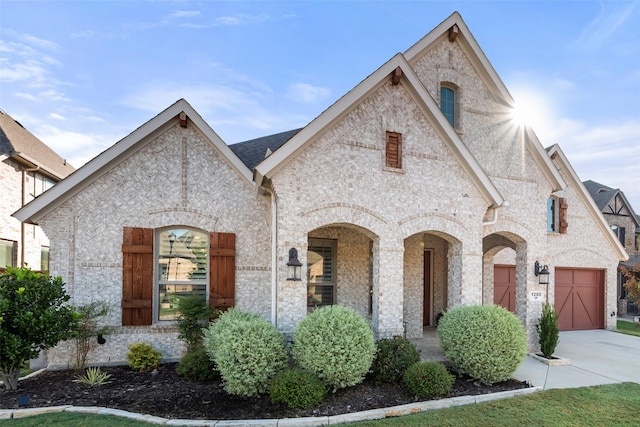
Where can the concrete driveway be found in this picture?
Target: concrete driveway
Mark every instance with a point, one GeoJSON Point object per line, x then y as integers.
{"type": "Point", "coordinates": [596, 357]}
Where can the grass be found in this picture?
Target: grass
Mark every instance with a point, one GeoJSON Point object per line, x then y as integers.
{"type": "Point", "coordinates": [629, 328]}
{"type": "Point", "coordinates": [610, 405]}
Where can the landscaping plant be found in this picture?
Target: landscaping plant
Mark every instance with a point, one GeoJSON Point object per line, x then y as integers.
{"type": "Point", "coordinates": [335, 343]}
{"type": "Point", "coordinates": [487, 342]}
{"type": "Point", "coordinates": [548, 330]}
{"type": "Point", "coordinates": [88, 330]}
{"type": "Point", "coordinates": [33, 317]}
{"type": "Point", "coordinates": [196, 365]}
{"type": "Point", "coordinates": [194, 314]}
{"type": "Point", "coordinates": [632, 281]}
{"type": "Point", "coordinates": [93, 376]}
{"type": "Point", "coordinates": [393, 357]}
{"type": "Point", "coordinates": [428, 379]}
{"type": "Point", "coordinates": [297, 389]}
{"type": "Point", "coordinates": [247, 350]}
{"type": "Point", "coordinates": [143, 357]}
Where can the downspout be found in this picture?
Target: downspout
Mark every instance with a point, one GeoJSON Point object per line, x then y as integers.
{"type": "Point", "coordinates": [23, 230]}
{"type": "Point", "coordinates": [274, 258]}
{"type": "Point", "coordinates": [495, 214]}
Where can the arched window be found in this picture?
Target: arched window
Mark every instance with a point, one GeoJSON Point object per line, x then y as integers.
{"type": "Point", "coordinates": [448, 103]}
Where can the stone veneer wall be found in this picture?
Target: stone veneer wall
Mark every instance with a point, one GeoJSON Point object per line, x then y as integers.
{"type": "Point", "coordinates": [176, 179]}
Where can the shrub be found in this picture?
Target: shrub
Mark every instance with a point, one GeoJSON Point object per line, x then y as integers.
{"type": "Point", "coordinates": [88, 330]}
{"type": "Point", "coordinates": [392, 359]}
{"type": "Point", "coordinates": [194, 315]}
{"type": "Point", "coordinates": [297, 389]}
{"type": "Point", "coordinates": [93, 376]}
{"type": "Point", "coordinates": [248, 350]}
{"type": "Point", "coordinates": [486, 342]}
{"type": "Point", "coordinates": [335, 343]}
{"type": "Point", "coordinates": [143, 357]}
{"type": "Point", "coordinates": [548, 329]}
{"type": "Point", "coordinates": [428, 379]}
{"type": "Point", "coordinates": [196, 365]}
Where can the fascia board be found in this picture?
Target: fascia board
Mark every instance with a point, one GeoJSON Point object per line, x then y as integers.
{"type": "Point", "coordinates": [543, 160]}
{"type": "Point", "coordinates": [82, 177]}
{"type": "Point", "coordinates": [582, 191]}
{"type": "Point", "coordinates": [24, 159]}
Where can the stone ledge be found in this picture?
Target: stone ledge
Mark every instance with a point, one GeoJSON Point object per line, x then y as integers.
{"type": "Point", "coordinates": [556, 361]}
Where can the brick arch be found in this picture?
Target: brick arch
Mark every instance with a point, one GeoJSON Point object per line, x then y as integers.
{"type": "Point", "coordinates": [450, 229]}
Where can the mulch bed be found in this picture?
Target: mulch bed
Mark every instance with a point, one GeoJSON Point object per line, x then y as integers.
{"type": "Point", "coordinates": [165, 394]}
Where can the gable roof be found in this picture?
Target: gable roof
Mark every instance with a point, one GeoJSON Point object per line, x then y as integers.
{"type": "Point", "coordinates": [556, 153]}
{"type": "Point", "coordinates": [109, 158]}
{"type": "Point", "coordinates": [492, 81]}
{"type": "Point", "coordinates": [603, 196]}
{"type": "Point", "coordinates": [268, 167]}
{"type": "Point", "coordinates": [20, 144]}
{"type": "Point", "coordinates": [254, 151]}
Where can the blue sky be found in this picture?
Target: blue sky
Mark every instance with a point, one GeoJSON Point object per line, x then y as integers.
{"type": "Point", "coordinates": [81, 75]}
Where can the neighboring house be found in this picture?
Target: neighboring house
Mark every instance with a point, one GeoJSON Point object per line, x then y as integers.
{"type": "Point", "coordinates": [398, 201]}
{"type": "Point", "coordinates": [27, 168]}
{"type": "Point", "coordinates": [625, 225]}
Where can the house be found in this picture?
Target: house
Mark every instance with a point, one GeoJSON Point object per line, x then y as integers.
{"type": "Point", "coordinates": [403, 198]}
{"type": "Point", "coordinates": [27, 168]}
{"type": "Point", "coordinates": [625, 225]}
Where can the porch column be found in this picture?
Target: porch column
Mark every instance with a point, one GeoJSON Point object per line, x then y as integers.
{"type": "Point", "coordinates": [465, 274]}
{"type": "Point", "coordinates": [387, 314]}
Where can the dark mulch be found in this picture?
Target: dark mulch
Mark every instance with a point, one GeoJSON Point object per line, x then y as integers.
{"type": "Point", "coordinates": [163, 393]}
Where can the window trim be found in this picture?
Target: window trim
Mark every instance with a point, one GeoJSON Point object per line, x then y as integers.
{"type": "Point", "coordinates": [14, 252]}
{"type": "Point", "coordinates": [333, 244]}
{"type": "Point", "coordinates": [455, 92]}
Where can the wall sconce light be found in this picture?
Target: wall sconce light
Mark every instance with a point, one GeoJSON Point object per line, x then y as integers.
{"type": "Point", "coordinates": [101, 339]}
{"type": "Point", "coordinates": [542, 272]}
{"type": "Point", "coordinates": [294, 266]}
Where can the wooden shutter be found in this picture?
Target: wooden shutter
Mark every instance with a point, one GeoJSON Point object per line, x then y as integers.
{"type": "Point", "coordinates": [222, 274]}
{"type": "Point", "coordinates": [137, 276]}
{"type": "Point", "coordinates": [394, 150]}
{"type": "Point", "coordinates": [562, 215]}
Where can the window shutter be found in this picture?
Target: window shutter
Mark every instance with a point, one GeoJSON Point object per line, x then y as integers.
{"type": "Point", "coordinates": [137, 276]}
{"type": "Point", "coordinates": [562, 215]}
{"type": "Point", "coordinates": [394, 150]}
{"type": "Point", "coordinates": [222, 274]}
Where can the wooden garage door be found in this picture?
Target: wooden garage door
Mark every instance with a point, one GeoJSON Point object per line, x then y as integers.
{"type": "Point", "coordinates": [579, 299]}
{"type": "Point", "coordinates": [504, 286]}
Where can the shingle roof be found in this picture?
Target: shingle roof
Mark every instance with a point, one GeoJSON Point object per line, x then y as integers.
{"type": "Point", "coordinates": [600, 193]}
{"type": "Point", "coordinates": [254, 151]}
{"type": "Point", "coordinates": [17, 142]}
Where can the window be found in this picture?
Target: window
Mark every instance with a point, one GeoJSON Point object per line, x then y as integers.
{"type": "Point", "coordinates": [552, 214]}
{"type": "Point", "coordinates": [44, 259]}
{"type": "Point", "coordinates": [321, 272]}
{"type": "Point", "coordinates": [448, 104]}
{"type": "Point", "coordinates": [7, 253]}
{"type": "Point", "coordinates": [394, 150]}
{"type": "Point", "coordinates": [620, 233]}
{"type": "Point", "coordinates": [182, 265]}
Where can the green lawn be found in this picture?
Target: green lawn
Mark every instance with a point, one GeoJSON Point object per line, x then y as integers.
{"type": "Point", "coordinates": [607, 405]}
{"type": "Point", "coordinates": [629, 328]}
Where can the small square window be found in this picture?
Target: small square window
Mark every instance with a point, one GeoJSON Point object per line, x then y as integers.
{"type": "Point", "coordinates": [7, 253]}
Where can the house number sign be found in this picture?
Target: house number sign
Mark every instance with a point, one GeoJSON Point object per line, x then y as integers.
{"type": "Point", "coordinates": [535, 295]}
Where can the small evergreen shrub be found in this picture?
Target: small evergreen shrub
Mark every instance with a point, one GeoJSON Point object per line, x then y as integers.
{"type": "Point", "coordinates": [248, 351]}
{"type": "Point", "coordinates": [194, 314]}
{"type": "Point", "coordinates": [143, 357]}
{"type": "Point", "coordinates": [487, 342]}
{"type": "Point", "coordinates": [393, 357]}
{"type": "Point", "coordinates": [196, 365]}
{"type": "Point", "coordinates": [548, 330]}
{"type": "Point", "coordinates": [428, 379]}
{"type": "Point", "coordinates": [335, 343]}
{"type": "Point", "coordinates": [297, 389]}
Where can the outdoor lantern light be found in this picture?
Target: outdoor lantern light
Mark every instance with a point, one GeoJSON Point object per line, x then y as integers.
{"type": "Point", "coordinates": [542, 272]}
{"type": "Point", "coordinates": [294, 270]}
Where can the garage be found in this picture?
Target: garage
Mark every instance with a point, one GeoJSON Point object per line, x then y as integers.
{"type": "Point", "coordinates": [504, 286]}
{"type": "Point", "coordinates": [579, 298]}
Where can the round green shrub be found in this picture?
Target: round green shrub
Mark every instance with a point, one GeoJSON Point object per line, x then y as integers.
{"type": "Point", "coordinates": [335, 343]}
{"type": "Point", "coordinates": [393, 357]}
{"type": "Point", "coordinates": [297, 389]}
{"type": "Point", "coordinates": [428, 379]}
{"type": "Point", "coordinates": [487, 342]}
{"type": "Point", "coordinates": [248, 351]}
{"type": "Point", "coordinates": [143, 357]}
{"type": "Point", "coordinates": [196, 365]}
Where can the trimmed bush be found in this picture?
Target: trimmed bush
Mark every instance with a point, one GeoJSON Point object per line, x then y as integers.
{"type": "Point", "coordinates": [428, 379]}
{"type": "Point", "coordinates": [196, 365]}
{"type": "Point", "coordinates": [297, 389]}
{"type": "Point", "coordinates": [393, 357]}
{"type": "Point", "coordinates": [548, 329]}
{"type": "Point", "coordinates": [335, 343]}
{"type": "Point", "coordinates": [487, 342]}
{"type": "Point", "coordinates": [143, 357]}
{"type": "Point", "coordinates": [248, 351]}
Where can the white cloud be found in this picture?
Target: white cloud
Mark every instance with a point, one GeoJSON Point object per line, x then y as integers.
{"type": "Point", "coordinates": [56, 116]}
{"type": "Point", "coordinates": [602, 28]}
{"type": "Point", "coordinates": [306, 93]}
{"type": "Point", "coordinates": [184, 13]}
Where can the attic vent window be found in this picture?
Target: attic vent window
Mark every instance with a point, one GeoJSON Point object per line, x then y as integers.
{"type": "Point", "coordinates": [394, 150]}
